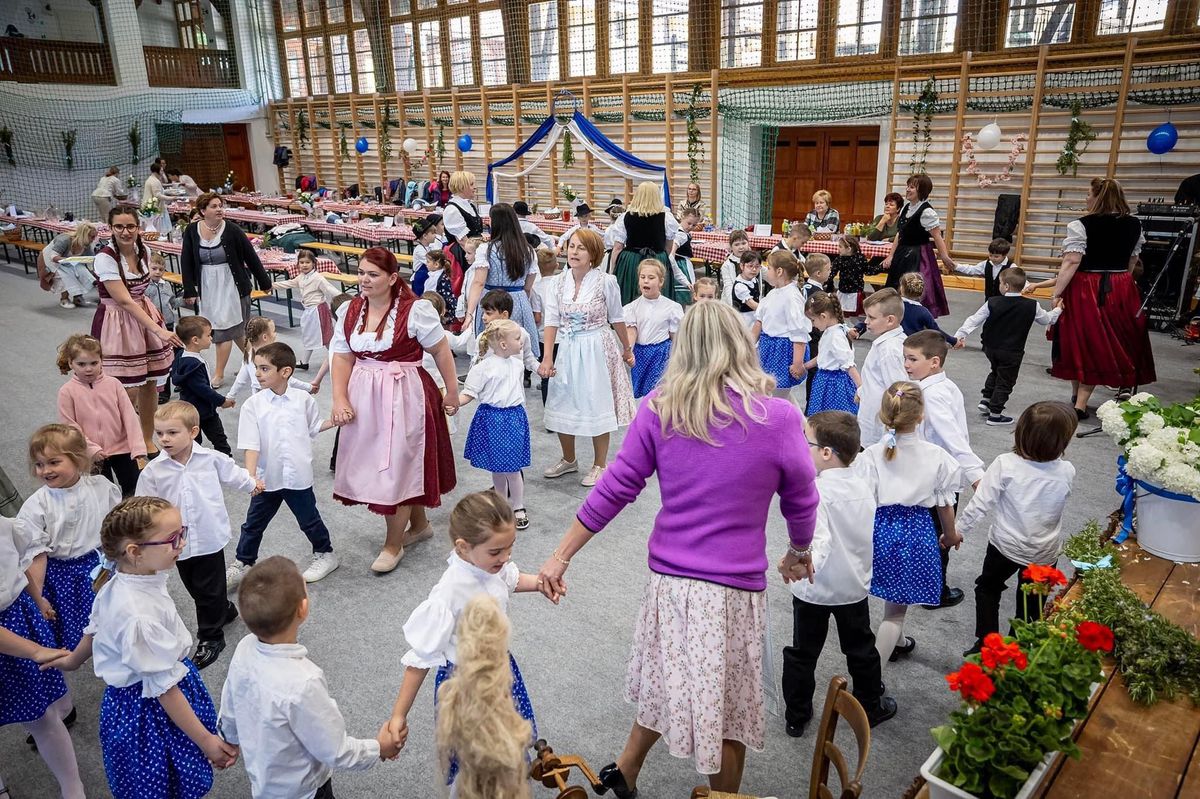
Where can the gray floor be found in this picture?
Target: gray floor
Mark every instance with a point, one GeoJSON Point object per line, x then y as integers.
{"type": "Point", "coordinates": [573, 656]}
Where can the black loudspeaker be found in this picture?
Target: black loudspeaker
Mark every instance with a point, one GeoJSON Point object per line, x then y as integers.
{"type": "Point", "coordinates": [1008, 214]}
{"type": "Point", "coordinates": [1166, 267]}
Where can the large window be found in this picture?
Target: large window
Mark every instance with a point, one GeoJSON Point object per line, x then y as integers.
{"type": "Point", "coordinates": [335, 11]}
{"type": "Point", "coordinates": [669, 36]}
{"type": "Point", "coordinates": [316, 66]}
{"type": "Point", "coordinates": [581, 38]}
{"type": "Point", "coordinates": [402, 57]}
{"type": "Point", "coordinates": [796, 30]}
{"type": "Point", "coordinates": [297, 82]}
{"type": "Point", "coordinates": [543, 41]}
{"type": "Point", "coordinates": [312, 14]}
{"type": "Point", "coordinates": [491, 48]}
{"type": "Point", "coordinates": [462, 62]}
{"type": "Point", "coordinates": [430, 47]}
{"type": "Point", "coordinates": [741, 33]}
{"type": "Point", "coordinates": [1131, 16]}
{"type": "Point", "coordinates": [927, 26]}
{"type": "Point", "coordinates": [339, 53]}
{"type": "Point", "coordinates": [859, 27]}
{"type": "Point", "coordinates": [289, 16]}
{"type": "Point", "coordinates": [364, 62]}
{"type": "Point", "coordinates": [1038, 22]}
{"type": "Point", "coordinates": [622, 36]}
{"type": "Point", "coordinates": [399, 7]}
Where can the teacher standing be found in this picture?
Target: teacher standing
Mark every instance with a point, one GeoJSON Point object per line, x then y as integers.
{"type": "Point", "coordinates": [461, 218]}
{"type": "Point", "coordinates": [696, 670]}
{"type": "Point", "coordinates": [646, 230]}
{"type": "Point", "coordinates": [220, 269]}
{"type": "Point", "coordinates": [505, 263]}
{"type": "Point", "coordinates": [919, 233]}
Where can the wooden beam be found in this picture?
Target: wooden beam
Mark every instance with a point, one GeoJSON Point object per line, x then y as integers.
{"type": "Point", "coordinates": [964, 77]}
{"type": "Point", "coordinates": [626, 129]}
{"type": "Point", "coordinates": [1114, 147]}
{"type": "Point", "coordinates": [458, 156]}
{"type": "Point", "coordinates": [484, 112]}
{"type": "Point", "coordinates": [669, 124]}
{"type": "Point", "coordinates": [589, 182]}
{"type": "Point", "coordinates": [337, 137]}
{"type": "Point", "coordinates": [712, 142]}
{"type": "Point", "coordinates": [431, 138]}
{"type": "Point", "coordinates": [402, 134]}
{"type": "Point", "coordinates": [891, 166]}
{"type": "Point", "coordinates": [558, 147]}
{"type": "Point", "coordinates": [379, 134]}
{"type": "Point", "coordinates": [1031, 149]}
{"type": "Point", "coordinates": [516, 103]}
{"type": "Point", "coordinates": [312, 138]}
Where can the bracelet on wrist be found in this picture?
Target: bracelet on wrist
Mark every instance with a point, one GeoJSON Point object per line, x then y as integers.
{"type": "Point", "coordinates": [801, 553]}
{"type": "Point", "coordinates": [559, 558]}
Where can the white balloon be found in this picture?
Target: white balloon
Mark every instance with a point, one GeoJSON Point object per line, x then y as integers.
{"type": "Point", "coordinates": [410, 146]}
{"type": "Point", "coordinates": [989, 136]}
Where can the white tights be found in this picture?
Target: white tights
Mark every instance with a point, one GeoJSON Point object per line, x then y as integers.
{"type": "Point", "coordinates": [891, 630]}
{"type": "Point", "coordinates": [54, 745]}
{"type": "Point", "coordinates": [512, 486]}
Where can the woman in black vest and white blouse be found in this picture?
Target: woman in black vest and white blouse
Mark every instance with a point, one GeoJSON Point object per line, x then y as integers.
{"type": "Point", "coordinates": [646, 230]}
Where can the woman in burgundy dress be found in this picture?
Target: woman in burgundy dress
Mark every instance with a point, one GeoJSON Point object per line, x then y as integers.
{"type": "Point", "coordinates": [920, 233]}
{"type": "Point", "coordinates": [394, 455]}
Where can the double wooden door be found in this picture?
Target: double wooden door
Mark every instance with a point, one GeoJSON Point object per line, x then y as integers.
{"type": "Point", "coordinates": [842, 160]}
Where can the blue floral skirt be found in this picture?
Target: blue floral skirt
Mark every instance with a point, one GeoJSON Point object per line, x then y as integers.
{"type": "Point", "coordinates": [832, 390]}
{"type": "Point", "coordinates": [69, 589]}
{"type": "Point", "coordinates": [906, 568]}
{"type": "Point", "coordinates": [498, 440]}
{"type": "Point", "coordinates": [649, 363]}
{"type": "Point", "coordinates": [26, 691]}
{"type": "Point", "coordinates": [775, 355]}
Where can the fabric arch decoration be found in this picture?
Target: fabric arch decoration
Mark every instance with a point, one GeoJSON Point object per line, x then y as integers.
{"type": "Point", "coordinates": [541, 144]}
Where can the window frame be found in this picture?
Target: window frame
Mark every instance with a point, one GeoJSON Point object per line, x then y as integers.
{"type": "Point", "coordinates": [859, 25]}
{"type": "Point", "coordinates": [553, 59]}
{"type": "Point", "coordinates": [655, 46]}
{"type": "Point", "coordinates": [583, 27]}
{"type": "Point", "coordinates": [1018, 7]}
{"type": "Point", "coordinates": [799, 31]}
{"type": "Point", "coordinates": [916, 13]}
{"type": "Point", "coordinates": [1131, 30]}
{"type": "Point", "coordinates": [731, 11]}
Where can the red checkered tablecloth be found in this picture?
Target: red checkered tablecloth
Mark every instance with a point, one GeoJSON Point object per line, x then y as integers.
{"type": "Point", "coordinates": [714, 246]}
{"type": "Point", "coordinates": [362, 230]}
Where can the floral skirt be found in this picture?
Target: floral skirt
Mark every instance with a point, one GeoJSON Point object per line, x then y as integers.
{"type": "Point", "coordinates": [696, 669]}
{"type": "Point", "coordinates": [26, 690]}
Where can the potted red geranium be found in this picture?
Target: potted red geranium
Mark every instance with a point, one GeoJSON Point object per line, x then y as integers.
{"type": "Point", "coordinates": [1022, 696]}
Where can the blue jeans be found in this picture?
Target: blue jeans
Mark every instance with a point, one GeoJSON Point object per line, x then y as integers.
{"type": "Point", "coordinates": [302, 502]}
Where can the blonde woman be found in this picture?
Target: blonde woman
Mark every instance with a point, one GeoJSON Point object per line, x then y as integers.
{"type": "Point", "coordinates": [645, 230]}
{"type": "Point", "coordinates": [823, 218]}
{"type": "Point", "coordinates": [461, 218]}
{"type": "Point", "coordinates": [73, 280]}
{"type": "Point", "coordinates": [108, 190]}
{"type": "Point", "coordinates": [696, 670]}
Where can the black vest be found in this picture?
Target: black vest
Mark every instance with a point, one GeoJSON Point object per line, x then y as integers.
{"type": "Point", "coordinates": [470, 216]}
{"type": "Point", "coordinates": [646, 232]}
{"type": "Point", "coordinates": [752, 285]}
{"type": "Point", "coordinates": [991, 278]}
{"type": "Point", "coordinates": [912, 232]}
{"type": "Point", "coordinates": [1110, 242]}
{"type": "Point", "coordinates": [685, 250]}
{"type": "Point", "coordinates": [1008, 323]}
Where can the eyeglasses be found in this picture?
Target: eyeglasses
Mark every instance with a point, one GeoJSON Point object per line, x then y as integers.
{"type": "Point", "coordinates": [176, 539]}
{"type": "Point", "coordinates": [821, 446]}
{"type": "Point", "coordinates": [123, 228]}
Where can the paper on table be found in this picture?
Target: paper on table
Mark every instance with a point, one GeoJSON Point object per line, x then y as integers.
{"type": "Point", "coordinates": [762, 230]}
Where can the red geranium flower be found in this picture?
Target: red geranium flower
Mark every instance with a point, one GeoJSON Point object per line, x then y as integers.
{"type": "Point", "coordinates": [972, 683]}
{"type": "Point", "coordinates": [996, 652]}
{"type": "Point", "coordinates": [1044, 575]}
{"type": "Point", "coordinates": [1093, 636]}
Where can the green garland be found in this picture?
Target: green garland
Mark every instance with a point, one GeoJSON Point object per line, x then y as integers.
{"type": "Point", "coordinates": [302, 129]}
{"type": "Point", "coordinates": [440, 147]}
{"type": "Point", "coordinates": [923, 126]}
{"type": "Point", "coordinates": [1157, 658]}
{"type": "Point", "coordinates": [68, 140]}
{"type": "Point", "coordinates": [1080, 133]}
{"type": "Point", "coordinates": [695, 145]}
{"type": "Point", "coordinates": [343, 144]}
{"type": "Point", "coordinates": [385, 135]}
{"type": "Point", "coordinates": [6, 138]}
{"type": "Point", "coordinates": [568, 150]}
{"type": "Point", "coordinates": [135, 141]}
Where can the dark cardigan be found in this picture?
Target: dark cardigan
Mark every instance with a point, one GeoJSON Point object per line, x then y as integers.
{"type": "Point", "coordinates": [243, 260]}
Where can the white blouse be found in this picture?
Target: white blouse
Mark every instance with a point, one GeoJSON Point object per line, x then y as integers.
{"type": "Point", "coordinates": [423, 325]}
{"type": "Point", "coordinates": [655, 320]}
{"type": "Point", "coordinates": [431, 629]}
{"type": "Point", "coordinates": [67, 521]}
{"type": "Point", "coordinates": [108, 187]}
{"type": "Point", "coordinates": [481, 261]}
{"type": "Point", "coordinates": [106, 268]}
{"type": "Point", "coordinates": [17, 551]}
{"type": "Point", "coordinates": [617, 230]}
{"type": "Point", "coordinates": [836, 353]}
{"type": "Point", "coordinates": [138, 635]}
{"type": "Point", "coordinates": [1076, 239]}
{"type": "Point", "coordinates": [593, 282]}
{"type": "Point", "coordinates": [929, 217]}
{"type": "Point", "coordinates": [919, 474]}
{"type": "Point", "coordinates": [782, 314]}
{"type": "Point", "coordinates": [497, 381]}
{"type": "Point", "coordinates": [454, 219]}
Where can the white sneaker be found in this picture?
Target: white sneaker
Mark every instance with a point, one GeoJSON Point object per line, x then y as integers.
{"type": "Point", "coordinates": [65, 304]}
{"type": "Point", "coordinates": [592, 476]}
{"type": "Point", "coordinates": [234, 573]}
{"type": "Point", "coordinates": [321, 565]}
{"type": "Point", "coordinates": [561, 468]}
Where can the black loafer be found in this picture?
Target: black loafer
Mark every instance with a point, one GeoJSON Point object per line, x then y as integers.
{"type": "Point", "coordinates": [797, 730]}
{"type": "Point", "coordinates": [905, 648]}
{"type": "Point", "coordinates": [207, 653]}
{"type": "Point", "coordinates": [950, 598]}
{"type": "Point", "coordinates": [886, 709]}
{"type": "Point", "coordinates": [612, 779]}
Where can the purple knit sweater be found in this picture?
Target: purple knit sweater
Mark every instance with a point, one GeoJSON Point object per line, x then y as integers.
{"type": "Point", "coordinates": [715, 499]}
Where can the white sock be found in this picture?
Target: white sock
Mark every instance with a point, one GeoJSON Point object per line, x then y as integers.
{"type": "Point", "coordinates": [516, 489]}
{"type": "Point", "coordinates": [55, 747]}
{"type": "Point", "coordinates": [307, 356]}
{"type": "Point", "coordinates": [891, 630]}
{"type": "Point", "coordinates": [500, 483]}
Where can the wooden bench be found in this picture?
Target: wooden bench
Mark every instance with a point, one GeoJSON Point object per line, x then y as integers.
{"type": "Point", "coordinates": [347, 282]}
{"type": "Point", "coordinates": [345, 250]}
{"type": "Point", "coordinates": [30, 251]}
{"type": "Point", "coordinates": [176, 281]}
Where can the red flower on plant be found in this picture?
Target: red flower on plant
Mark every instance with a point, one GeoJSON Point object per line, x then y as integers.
{"type": "Point", "coordinates": [1093, 636]}
{"type": "Point", "coordinates": [1044, 575]}
{"type": "Point", "coordinates": [972, 683]}
{"type": "Point", "coordinates": [996, 652]}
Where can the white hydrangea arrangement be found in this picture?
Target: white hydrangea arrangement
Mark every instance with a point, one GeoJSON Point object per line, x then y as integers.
{"type": "Point", "coordinates": [1161, 443]}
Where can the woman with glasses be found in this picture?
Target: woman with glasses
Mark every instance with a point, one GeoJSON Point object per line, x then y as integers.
{"type": "Point", "coordinates": [137, 347]}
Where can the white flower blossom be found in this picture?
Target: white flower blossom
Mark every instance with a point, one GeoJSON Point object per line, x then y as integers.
{"type": "Point", "coordinates": [1112, 421]}
{"type": "Point", "coordinates": [1181, 478]}
{"type": "Point", "coordinates": [1168, 438]}
{"type": "Point", "coordinates": [1144, 460]}
{"type": "Point", "coordinates": [1151, 422]}
{"type": "Point", "coordinates": [1140, 397]}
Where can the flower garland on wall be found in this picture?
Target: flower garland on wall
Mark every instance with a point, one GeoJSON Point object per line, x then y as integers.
{"type": "Point", "coordinates": [923, 126]}
{"type": "Point", "coordinates": [1005, 175]}
{"type": "Point", "coordinates": [385, 134]}
{"type": "Point", "coordinates": [1079, 133]}
{"type": "Point", "coordinates": [135, 141]}
{"type": "Point", "coordinates": [568, 150]}
{"type": "Point", "coordinates": [695, 145]}
{"type": "Point", "coordinates": [302, 129]}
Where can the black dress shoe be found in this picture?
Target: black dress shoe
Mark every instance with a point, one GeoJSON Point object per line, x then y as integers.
{"type": "Point", "coordinates": [905, 648]}
{"type": "Point", "coordinates": [207, 653]}
{"type": "Point", "coordinates": [303, 367]}
{"type": "Point", "coordinates": [797, 730]}
{"type": "Point", "coordinates": [231, 614]}
{"type": "Point", "coordinates": [886, 709]}
{"type": "Point", "coordinates": [611, 778]}
{"type": "Point", "coordinates": [950, 598]}
{"type": "Point", "coordinates": [975, 650]}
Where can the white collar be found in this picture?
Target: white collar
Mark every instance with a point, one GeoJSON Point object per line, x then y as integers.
{"type": "Point", "coordinates": [457, 562]}
{"type": "Point", "coordinates": [910, 302]}
{"type": "Point", "coordinates": [294, 651]}
{"type": "Point", "coordinates": [158, 579]}
{"type": "Point", "coordinates": [279, 397]}
{"type": "Point", "coordinates": [190, 354]}
{"type": "Point", "coordinates": [933, 380]}
{"type": "Point", "coordinates": [1012, 294]}
{"type": "Point", "coordinates": [893, 333]}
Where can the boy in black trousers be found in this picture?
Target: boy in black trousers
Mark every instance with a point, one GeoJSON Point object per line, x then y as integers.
{"type": "Point", "coordinates": [189, 373]}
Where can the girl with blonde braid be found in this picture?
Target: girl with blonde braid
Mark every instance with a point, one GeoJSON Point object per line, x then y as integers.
{"type": "Point", "coordinates": [498, 439]}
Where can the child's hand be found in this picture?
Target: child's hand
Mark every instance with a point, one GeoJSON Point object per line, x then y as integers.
{"type": "Point", "coordinates": [628, 356]}
{"type": "Point", "coordinates": [141, 462]}
{"type": "Point", "coordinates": [960, 343]}
{"type": "Point", "coordinates": [546, 369]}
{"type": "Point", "coordinates": [259, 487]}
{"type": "Point", "coordinates": [388, 748]}
{"type": "Point", "coordinates": [48, 611]}
{"type": "Point", "coordinates": [858, 398]}
{"type": "Point", "coordinates": [47, 658]}
{"type": "Point", "coordinates": [314, 387]}
{"type": "Point", "coordinates": [797, 370]}
{"type": "Point", "coordinates": [228, 403]}
{"type": "Point", "coordinates": [68, 662]}
{"type": "Point", "coordinates": [852, 334]}
{"type": "Point", "coordinates": [951, 539]}
{"type": "Point", "coordinates": [396, 728]}
{"type": "Point", "coordinates": [218, 752]}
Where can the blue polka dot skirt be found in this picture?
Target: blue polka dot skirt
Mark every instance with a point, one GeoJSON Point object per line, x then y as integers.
{"type": "Point", "coordinates": [69, 588]}
{"type": "Point", "coordinates": [145, 755]}
{"type": "Point", "coordinates": [906, 568]}
{"type": "Point", "coordinates": [520, 702]}
{"type": "Point", "coordinates": [498, 440]}
{"type": "Point", "coordinates": [832, 390]}
{"type": "Point", "coordinates": [649, 363]}
{"type": "Point", "coordinates": [775, 355]}
{"type": "Point", "coordinates": [26, 692]}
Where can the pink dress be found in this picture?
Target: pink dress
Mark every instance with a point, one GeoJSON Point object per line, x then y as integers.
{"type": "Point", "coordinates": [397, 449]}
{"type": "Point", "coordinates": [132, 354]}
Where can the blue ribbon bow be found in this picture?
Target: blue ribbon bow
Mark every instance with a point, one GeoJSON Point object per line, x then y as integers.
{"type": "Point", "coordinates": [1126, 487]}
{"type": "Point", "coordinates": [1104, 563]}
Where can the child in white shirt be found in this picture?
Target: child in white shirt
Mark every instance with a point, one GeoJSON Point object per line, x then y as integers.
{"type": "Point", "coordinates": [991, 267]}
{"type": "Point", "coordinates": [278, 424]}
{"type": "Point", "coordinates": [841, 560]}
{"type": "Point", "coordinates": [275, 703]}
{"type": "Point", "coordinates": [260, 331]}
{"type": "Point", "coordinates": [739, 242]}
{"type": "Point", "coordinates": [781, 330]}
{"type": "Point", "coordinates": [884, 363]}
{"type": "Point", "coordinates": [316, 324]}
{"type": "Point", "coordinates": [748, 286]}
{"type": "Point", "coordinates": [651, 322]}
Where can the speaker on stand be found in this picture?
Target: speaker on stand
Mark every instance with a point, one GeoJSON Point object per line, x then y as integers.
{"type": "Point", "coordinates": [1168, 274]}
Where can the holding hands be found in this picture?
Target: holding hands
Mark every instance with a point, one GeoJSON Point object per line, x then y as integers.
{"type": "Point", "coordinates": [796, 566]}
{"type": "Point", "coordinates": [221, 754]}
{"type": "Point", "coordinates": [389, 743]}
{"type": "Point", "coordinates": [343, 414]}
{"type": "Point", "coordinates": [550, 578]}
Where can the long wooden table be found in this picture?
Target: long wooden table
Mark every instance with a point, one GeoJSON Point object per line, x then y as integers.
{"type": "Point", "coordinates": [1130, 750]}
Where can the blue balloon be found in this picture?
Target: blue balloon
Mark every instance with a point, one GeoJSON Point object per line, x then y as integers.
{"type": "Point", "coordinates": [1162, 139]}
{"type": "Point", "coordinates": [361, 145]}
{"type": "Point", "coordinates": [465, 143]}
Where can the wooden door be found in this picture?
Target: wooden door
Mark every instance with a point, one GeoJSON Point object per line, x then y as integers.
{"type": "Point", "coordinates": [237, 154]}
{"type": "Point", "coordinates": [841, 160]}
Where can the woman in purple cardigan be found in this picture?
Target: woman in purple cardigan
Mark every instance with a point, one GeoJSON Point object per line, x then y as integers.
{"type": "Point", "coordinates": [696, 672]}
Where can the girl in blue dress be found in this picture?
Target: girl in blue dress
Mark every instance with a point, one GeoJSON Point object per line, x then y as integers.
{"type": "Point", "coordinates": [836, 381]}
{"type": "Point", "coordinates": [651, 322]}
{"type": "Point", "coordinates": [781, 330]}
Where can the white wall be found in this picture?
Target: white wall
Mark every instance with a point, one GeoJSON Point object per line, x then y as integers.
{"type": "Point", "coordinates": [63, 20]}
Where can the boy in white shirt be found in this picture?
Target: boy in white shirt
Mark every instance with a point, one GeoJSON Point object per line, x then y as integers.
{"type": "Point", "coordinates": [739, 242]}
{"type": "Point", "coordinates": [191, 478]}
{"type": "Point", "coordinates": [275, 703]}
{"type": "Point", "coordinates": [884, 364]}
{"type": "Point", "coordinates": [990, 268]}
{"type": "Point", "coordinates": [278, 425]}
{"type": "Point", "coordinates": [945, 424]}
{"type": "Point", "coordinates": [841, 558]}
{"type": "Point", "coordinates": [583, 219]}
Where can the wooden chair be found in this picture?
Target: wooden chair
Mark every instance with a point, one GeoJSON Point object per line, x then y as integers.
{"type": "Point", "coordinates": [839, 702]}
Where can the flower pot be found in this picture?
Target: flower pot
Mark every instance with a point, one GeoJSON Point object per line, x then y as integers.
{"type": "Point", "coordinates": [940, 789]}
{"type": "Point", "coordinates": [1168, 525]}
